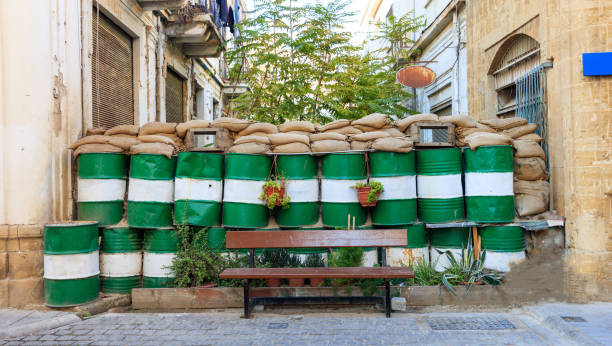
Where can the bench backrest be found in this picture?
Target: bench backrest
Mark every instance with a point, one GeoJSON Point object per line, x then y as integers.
{"type": "Point", "coordinates": [316, 238]}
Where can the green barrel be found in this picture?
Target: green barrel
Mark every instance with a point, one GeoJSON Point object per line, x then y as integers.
{"type": "Point", "coordinates": [489, 190]}
{"type": "Point", "coordinates": [120, 259]}
{"type": "Point", "coordinates": [302, 186]}
{"type": "Point", "coordinates": [245, 175]}
{"type": "Point", "coordinates": [417, 249]}
{"type": "Point", "coordinates": [71, 263]}
{"type": "Point", "coordinates": [339, 172]}
{"type": "Point", "coordinates": [198, 189]}
{"type": "Point", "coordinates": [502, 238]}
{"type": "Point", "coordinates": [439, 188]}
{"type": "Point", "coordinates": [101, 187]}
{"type": "Point", "coordinates": [151, 191]}
{"type": "Point", "coordinates": [216, 239]}
{"type": "Point", "coordinates": [397, 204]}
{"type": "Point", "coordinates": [452, 239]}
{"type": "Point", "coordinates": [160, 247]}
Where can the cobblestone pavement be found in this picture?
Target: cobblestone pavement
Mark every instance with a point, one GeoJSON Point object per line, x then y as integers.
{"type": "Point", "coordinates": [268, 328]}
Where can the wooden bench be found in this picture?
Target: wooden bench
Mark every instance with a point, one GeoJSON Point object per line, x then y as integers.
{"type": "Point", "coordinates": [316, 238]}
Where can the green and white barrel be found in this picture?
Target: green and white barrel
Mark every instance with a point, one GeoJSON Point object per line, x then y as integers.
{"type": "Point", "coordinates": [339, 172]}
{"type": "Point", "coordinates": [453, 239]}
{"type": "Point", "coordinates": [302, 186]}
{"type": "Point", "coordinates": [216, 241]}
{"type": "Point", "coordinates": [417, 249]}
{"type": "Point", "coordinates": [245, 175]}
{"type": "Point", "coordinates": [439, 188]}
{"type": "Point", "coordinates": [198, 189]}
{"type": "Point", "coordinates": [151, 191]}
{"type": "Point", "coordinates": [71, 263]}
{"type": "Point", "coordinates": [160, 246]}
{"type": "Point", "coordinates": [120, 259]}
{"type": "Point", "coordinates": [101, 187]}
{"type": "Point", "coordinates": [505, 246]}
{"type": "Point", "coordinates": [397, 204]}
{"type": "Point", "coordinates": [489, 189]}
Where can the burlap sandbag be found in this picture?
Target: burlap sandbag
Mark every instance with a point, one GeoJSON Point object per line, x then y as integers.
{"type": "Point", "coordinates": [286, 138]}
{"type": "Point", "coordinates": [347, 130]}
{"type": "Point", "coordinates": [359, 145]}
{"type": "Point", "coordinates": [329, 146]}
{"type": "Point", "coordinates": [123, 135]}
{"type": "Point", "coordinates": [95, 139]}
{"type": "Point", "coordinates": [318, 127]}
{"type": "Point", "coordinates": [182, 128]}
{"type": "Point", "coordinates": [156, 127]}
{"type": "Point", "coordinates": [252, 139]}
{"type": "Point", "coordinates": [327, 136]}
{"type": "Point", "coordinates": [258, 134]}
{"type": "Point", "coordinates": [303, 133]}
{"type": "Point", "coordinates": [530, 137]}
{"type": "Point", "coordinates": [250, 148]}
{"type": "Point", "coordinates": [403, 124]}
{"type": "Point", "coordinates": [478, 139]}
{"type": "Point", "coordinates": [465, 131]}
{"type": "Point", "coordinates": [531, 197]}
{"type": "Point", "coordinates": [369, 136]}
{"type": "Point", "coordinates": [458, 120]}
{"type": "Point", "coordinates": [152, 148]}
{"type": "Point", "coordinates": [398, 145]}
{"type": "Point", "coordinates": [375, 120]}
{"type": "Point", "coordinates": [96, 148]}
{"type": "Point", "coordinates": [528, 149]}
{"type": "Point", "coordinates": [231, 124]}
{"type": "Point", "coordinates": [123, 142]}
{"type": "Point", "coordinates": [529, 168]}
{"type": "Point", "coordinates": [172, 136]}
{"type": "Point", "coordinates": [305, 126]}
{"type": "Point", "coordinates": [504, 124]}
{"type": "Point", "coordinates": [156, 139]}
{"type": "Point", "coordinates": [393, 132]}
{"type": "Point", "coordinates": [292, 148]}
{"type": "Point", "coordinates": [519, 131]}
{"type": "Point", "coordinates": [365, 128]}
{"type": "Point", "coordinates": [95, 131]}
{"type": "Point", "coordinates": [259, 127]}
{"type": "Point", "coordinates": [336, 124]}
{"type": "Point", "coordinates": [131, 130]}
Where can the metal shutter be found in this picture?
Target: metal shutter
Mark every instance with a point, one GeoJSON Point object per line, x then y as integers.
{"type": "Point", "coordinates": [174, 97]}
{"type": "Point", "coordinates": [112, 74]}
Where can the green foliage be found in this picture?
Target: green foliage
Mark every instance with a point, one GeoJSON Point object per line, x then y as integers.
{"type": "Point", "coordinates": [273, 198]}
{"type": "Point", "coordinates": [375, 189]}
{"type": "Point", "coordinates": [314, 260]}
{"type": "Point", "coordinates": [424, 273]}
{"type": "Point", "coordinates": [352, 257]}
{"type": "Point", "coordinates": [397, 33]}
{"type": "Point", "coordinates": [279, 258]}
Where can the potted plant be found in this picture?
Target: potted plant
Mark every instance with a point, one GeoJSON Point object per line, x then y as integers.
{"type": "Point", "coordinates": [314, 260]}
{"type": "Point", "coordinates": [368, 193]}
{"type": "Point", "coordinates": [274, 194]}
{"type": "Point", "coordinates": [295, 262]}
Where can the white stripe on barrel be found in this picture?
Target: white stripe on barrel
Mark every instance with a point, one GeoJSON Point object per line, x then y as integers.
{"type": "Point", "coordinates": [100, 190]}
{"type": "Point", "coordinates": [157, 265]}
{"type": "Point", "coordinates": [370, 258]}
{"type": "Point", "coordinates": [502, 261]}
{"type": "Point", "coordinates": [403, 257]}
{"type": "Point", "coordinates": [121, 264]}
{"type": "Point", "coordinates": [489, 184]}
{"type": "Point", "coordinates": [67, 267]}
{"type": "Point", "coordinates": [402, 187]}
{"type": "Point", "coordinates": [198, 189]}
{"type": "Point", "coordinates": [442, 259]}
{"type": "Point", "coordinates": [243, 191]}
{"type": "Point", "coordinates": [306, 190]}
{"type": "Point", "coordinates": [142, 190]}
{"type": "Point", "coordinates": [439, 186]}
{"type": "Point", "coordinates": [339, 190]}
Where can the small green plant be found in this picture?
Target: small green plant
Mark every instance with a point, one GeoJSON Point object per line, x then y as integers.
{"type": "Point", "coordinates": [314, 260]}
{"type": "Point", "coordinates": [279, 258]}
{"type": "Point", "coordinates": [424, 273]}
{"type": "Point", "coordinates": [376, 188]}
{"type": "Point", "coordinates": [352, 257]}
{"type": "Point", "coordinates": [272, 199]}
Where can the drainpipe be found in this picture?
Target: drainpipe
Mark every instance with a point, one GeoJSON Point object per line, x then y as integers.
{"type": "Point", "coordinates": [456, 102]}
{"type": "Point", "coordinates": [159, 72]}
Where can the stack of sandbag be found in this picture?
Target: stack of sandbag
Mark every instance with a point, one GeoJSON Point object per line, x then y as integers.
{"type": "Point", "coordinates": [403, 125]}
{"type": "Point", "coordinates": [183, 128]}
{"type": "Point", "coordinates": [478, 139]}
{"type": "Point", "coordinates": [393, 144]}
{"type": "Point", "coordinates": [249, 137]}
{"type": "Point", "coordinates": [363, 141]}
{"type": "Point", "coordinates": [372, 122]}
{"type": "Point", "coordinates": [158, 138]}
{"type": "Point", "coordinates": [251, 144]}
{"type": "Point", "coordinates": [305, 128]}
{"type": "Point", "coordinates": [257, 129]}
{"type": "Point", "coordinates": [328, 142]}
{"type": "Point", "coordinates": [94, 144]}
{"type": "Point", "coordinates": [286, 143]}
{"type": "Point", "coordinates": [341, 126]}
{"type": "Point", "coordinates": [531, 197]}
{"type": "Point", "coordinates": [464, 126]}
{"type": "Point", "coordinates": [531, 188]}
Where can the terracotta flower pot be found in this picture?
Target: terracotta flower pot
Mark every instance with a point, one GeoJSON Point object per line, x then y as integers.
{"type": "Point", "coordinates": [296, 282]}
{"type": "Point", "coordinates": [281, 193]}
{"type": "Point", "coordinates": [362, 195]}
{"type": "Point", "coordinates": [273, 282]}
{"type": "Point", "coordinates": [476, 283]}
{"type": "Point", "coordinates": [316, 282]}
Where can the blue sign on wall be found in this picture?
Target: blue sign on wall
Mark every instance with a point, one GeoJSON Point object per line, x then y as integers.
{"type": "Point", "coordinates": [597, 64]}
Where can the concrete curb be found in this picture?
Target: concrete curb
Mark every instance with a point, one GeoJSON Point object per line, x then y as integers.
{"type": "Point", "coordinates": [557, 324]}
{"type": "Point", "coordinates": [31, 328]}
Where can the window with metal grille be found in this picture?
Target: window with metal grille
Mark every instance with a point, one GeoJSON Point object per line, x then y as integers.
{"type": "Point", "coordinates": [111, 73]}
{"type": "Point", "coordinates": [174, 97]}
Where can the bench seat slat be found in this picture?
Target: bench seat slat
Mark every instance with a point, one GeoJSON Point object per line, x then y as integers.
{"type": "Point", "coordinates": [318, 273]}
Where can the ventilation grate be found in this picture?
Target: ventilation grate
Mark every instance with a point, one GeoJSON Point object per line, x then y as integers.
{"type": "Point", "coordinates": [467, 323]}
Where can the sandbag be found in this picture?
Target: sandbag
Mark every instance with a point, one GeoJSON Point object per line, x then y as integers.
{"type": "Point", "coordinates": [131, 130]}
{"type": "Point", "coordinates": [478, 139]}
{"type": "Point", "coordinates": [231, 124]}
{"type": "Point", "coordinates": [259, 127]}
{"type": "Point", "coordinates": [152, 148]}
{"type": "Point", "coordinates": [531, 197]}
{"type": "Point", "coordinates": [336, 124]}
{"type": "Point", "coordinates": [250, 148]}
{"type": "Point", "coordinates": [359, 145]}
{"type": "Point", "coordinates": [536, 188]}
{"type": "Point", "coordinates": [156, 139]}
{"type": "Point", "coordinates": [403, 124]}
{"type": "Point", "coordinates": [172, 136]}
{"type": "Point", "coordinates": [529, 168]}
{"type": "Point", "coordinates": [519, 131]}
{"type": "Point", "coordinates": [466, 131]}
{"type": "Point", "coordinates": [365, 128]}
{"type": "Point", "coordinates": [258, 134]}
{"type": "Point", "coordinates": [303, 133]}
{"type": "Point", "coordinates": [123, 135]}
{"type": "Point", "coordinates": [95, 131]}
{"type": "Point", "coordinates": [96, 148]}
{"type": "Point", "coordinates": [528, 149]}
{"type": "Point", "coordinates": [398, 145]}
{"type": "Point", "coordinates": [252, 139]}
{"type": "Point", "coordinates": [374, 120]}
{"type": "Point", "coordinates": [318, 127]}
{"type": "Point", "coordinates": [305, 126]}
{"type": "Point", "coordinates": [347, 130]}
{"type": "Point", "coordinates": [393, 132]}
{"type": "Point", "coordinates": [182, 128]}
{"type": "Point", "coordinates": [459, 120]}
{"type": "Point", "coordinates": [156, 127]}
{"type": "Point", "coordinates": [292, 148]}
{"type": "Point", "coordinates": [123, 142]}
{"type": "Point", "coordinates": [95, 139]}
{"type": "Point", "coordinates": [329, 146]}
{"type": "Point", "coordinates": [369, 136]}
{"type": "Point", "coordinates": [286, 138]}
{"type": "Point", "coordinates": [327, 136]}
{"type": "Point", "coordinates": [505, 123]}
{"type": "Point", "coordinates": [530, 137]}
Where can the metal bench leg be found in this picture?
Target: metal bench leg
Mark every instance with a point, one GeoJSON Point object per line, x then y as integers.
{"type": "Point", "coordinates": [387, 299]}
{"type": "Point", "coordinates": [247, 301]}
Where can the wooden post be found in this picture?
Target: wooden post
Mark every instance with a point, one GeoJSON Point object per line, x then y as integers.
{"type": "Point", "coordinates": [475, 242]}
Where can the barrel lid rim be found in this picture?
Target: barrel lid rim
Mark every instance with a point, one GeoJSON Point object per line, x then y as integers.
{"type": "Point", "coordinates": [71, 223]}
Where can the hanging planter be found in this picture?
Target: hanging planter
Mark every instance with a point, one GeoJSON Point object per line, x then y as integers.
{"type": "Point", "coordinates": [274, 195]}
{"type": "Point", "coordinates": [368, 193]}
